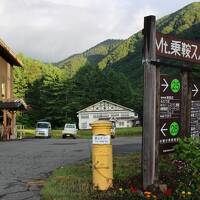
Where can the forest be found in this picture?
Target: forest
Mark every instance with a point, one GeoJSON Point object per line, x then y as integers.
{"type": "Point", "coordinates": [53, 95]}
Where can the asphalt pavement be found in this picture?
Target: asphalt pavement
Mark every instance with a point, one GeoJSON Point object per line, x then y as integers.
{"type": "Point", "coordinates": [25, 163]}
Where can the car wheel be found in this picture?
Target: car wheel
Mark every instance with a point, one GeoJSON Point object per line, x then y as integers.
{"type": "Point", "coordinates": [64, 136]}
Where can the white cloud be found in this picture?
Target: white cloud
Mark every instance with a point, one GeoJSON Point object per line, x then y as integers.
{"type": "Point", "coordinates": [51, 30]}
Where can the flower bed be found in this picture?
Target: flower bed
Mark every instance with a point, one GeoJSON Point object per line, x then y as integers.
{"type": "Point", "coordinates": [179, 178]}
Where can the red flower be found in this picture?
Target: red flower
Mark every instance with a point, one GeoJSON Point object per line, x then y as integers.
{"type": "Point", "coordinates": [133, 189]}
{"type": "Point", "coordinates": [168, 192]}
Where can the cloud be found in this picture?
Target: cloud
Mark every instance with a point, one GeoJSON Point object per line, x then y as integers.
{"type": "Point", "coordinates": [51, 30]}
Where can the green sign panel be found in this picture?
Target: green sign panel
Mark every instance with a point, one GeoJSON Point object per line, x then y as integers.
{"type": "Point", "coordinates": [175, 85]}
{"type": "Point", "coordinates": [174, 129]}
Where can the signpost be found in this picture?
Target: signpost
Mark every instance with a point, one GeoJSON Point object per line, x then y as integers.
{"type": "Point", "coordinates": [170, 112]}
{"type": "Point", "coordinates": [171, 104]}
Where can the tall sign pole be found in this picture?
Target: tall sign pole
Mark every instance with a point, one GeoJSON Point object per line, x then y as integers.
{"type": "Point", "coordinates": [150, 107]}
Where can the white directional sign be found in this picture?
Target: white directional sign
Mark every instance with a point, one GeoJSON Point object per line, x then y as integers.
{"type": "Point", "coordinates": [163, 129]}
{"type": "Point", "coordinates": [164, 85]}
{"type": "Point", "coordinates": [195, 90]}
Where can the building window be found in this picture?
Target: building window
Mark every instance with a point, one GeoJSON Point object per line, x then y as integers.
{"type": "Point", "coordinates": [125, 114]}
{"type": "Point", "coordinates": [84, 116]}
{"type": "Point", "coordinates": [121, 124]}
{"type": "Point", "coordinates": [84, 125]}
{"type": "Point", "coordinates": [100, 115]}
{"type": "Point", "coordinates": [3, 89]}
{"type": "Point", "coordinates": [96, 116]}
{"type": "Point", "coordinates": [115, 115]}
{"type": "Point", "coordinates": [103, 115]}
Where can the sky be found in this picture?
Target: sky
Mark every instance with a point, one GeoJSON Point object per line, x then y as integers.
{"type": "Point", "coordinates": [52, 30]}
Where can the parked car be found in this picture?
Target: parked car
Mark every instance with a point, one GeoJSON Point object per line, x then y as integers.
{"type": "Point", "coordinates": [43, 129]}
{"type": "Point", "coordinates": [69, 130]}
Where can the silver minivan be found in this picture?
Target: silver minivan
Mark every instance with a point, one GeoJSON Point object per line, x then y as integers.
{"type": "Point", "coordinates": [43, 129]}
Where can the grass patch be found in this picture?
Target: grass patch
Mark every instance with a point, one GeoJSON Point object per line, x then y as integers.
{"type": "Point", "coordinates": [120, 132]}
{"type": "Point", "coordinates": [87, 134]}
{"type": "Point", "coordinates": [74, 182]}
{"type": "Point", "coordinates": [133, 131]}
{"type": "Point", "coordinates": [179, 178]}
{"type": "Point", "coordinates": [30, 133]}
{"type": "Point", "coordinates": [57, 133]}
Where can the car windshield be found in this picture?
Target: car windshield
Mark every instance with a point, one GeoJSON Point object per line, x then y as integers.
{"type": "Point", "coordinates": [42, 125]}
{"type": "Point", "coordinates": [70, 126]}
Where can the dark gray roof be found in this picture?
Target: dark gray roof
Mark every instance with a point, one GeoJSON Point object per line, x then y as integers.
{"type": "Point", "coordinates": [13, 105]}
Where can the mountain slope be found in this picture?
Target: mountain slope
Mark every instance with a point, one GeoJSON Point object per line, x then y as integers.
{"type": "Point", "coordinates": [91, 56]}
{"type": "Point", "coordinates": [127, 57]}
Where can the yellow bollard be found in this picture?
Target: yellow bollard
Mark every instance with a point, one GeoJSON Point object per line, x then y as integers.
{"type": "Point", "coordinates": [102, 161]}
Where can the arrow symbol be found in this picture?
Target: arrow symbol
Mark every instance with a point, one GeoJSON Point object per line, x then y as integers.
{"type": "Point", "coordinates": [164, 85]}
{"type": "Point", "coordinates": [195, 90]}
{"type": "Point", "coordinates": [163, 129]}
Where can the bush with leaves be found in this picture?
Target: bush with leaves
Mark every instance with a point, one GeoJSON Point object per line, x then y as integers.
{"type": "Point", "coordinates": [187, 161]}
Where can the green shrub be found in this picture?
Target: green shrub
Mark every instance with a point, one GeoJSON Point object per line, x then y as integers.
{"type": "Point", "coordinates": [187, 162]}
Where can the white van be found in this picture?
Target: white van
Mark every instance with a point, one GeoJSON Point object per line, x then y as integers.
{"type": "Point", "coordinates": [69, 130]}
{"type": "Point", "coordinates": [43, 129]}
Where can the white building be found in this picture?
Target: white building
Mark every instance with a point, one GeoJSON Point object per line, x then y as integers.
{"type": "Point", "coordinates": [107, 110]}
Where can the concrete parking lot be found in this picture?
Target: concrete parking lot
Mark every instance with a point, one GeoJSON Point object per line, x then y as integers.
{"type": "Point", "coordinates": [25, 162]}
